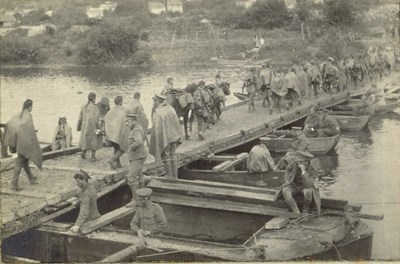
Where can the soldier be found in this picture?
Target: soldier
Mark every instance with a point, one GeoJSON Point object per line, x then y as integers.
{"type": "Point", "coordinates": [62, 135]}
{"type": "Point", "coordinates": [21, 138]}
{"type": "Point", "coordinates": [314, 77]}
{"type": "Point", "coordinates": [168, 87]}
{"type": "Point", "coordinates": [116, 132]}
{"type": "Point", "coordinates": [330, 76]}
{"type": "Point", "coordinates": [311, 123]}
{"type": "Point", "coordinates": [137, 155]}
{"type": "Point", "coordinates": [88, 199]}
{"type": "Point", "coordinates": [149, 218]}
{"type": "Point", "coordinates": [201, 109]}
{"type": "Point", "coordinates": [251, 85]}
{"type": "Point", "coordinates": [267, 75]}
{"type": "Point", "coordinates": [301, 142]}
{"type": "Point", "coordinates": [259, 159]}
{"type": "Point", "coordinates": [299, 179]}
{"type": "Point", "coordinates": [165, 135]}
{"type": "Point", "coordinates": [90, 128]}
{"type": "Point", "coordinates": [136, 108]}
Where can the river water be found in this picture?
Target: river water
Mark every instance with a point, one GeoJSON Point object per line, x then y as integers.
{"type": "Point", "coordinates": [364, 169]}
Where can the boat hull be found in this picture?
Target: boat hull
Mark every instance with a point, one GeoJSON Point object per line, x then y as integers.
{"type": "Point", "coordinates": [351, 123]}
{"type": "Point", "coordinates": [318, 146]}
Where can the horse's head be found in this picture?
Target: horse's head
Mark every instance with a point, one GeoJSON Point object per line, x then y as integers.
{"type": "Point", "coordinates": [226, 88]}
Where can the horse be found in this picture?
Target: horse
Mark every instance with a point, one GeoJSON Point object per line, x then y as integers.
{"type": "Point", "coordinates": [218, 98]}
{"type": "Point", "coordinates": [173, 99]}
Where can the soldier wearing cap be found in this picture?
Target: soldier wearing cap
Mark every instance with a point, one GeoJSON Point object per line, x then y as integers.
{"type": "Point", "coordinates": [136, 107]}
{"type": "Point", "coordinates": [137, 155]}
{"type": "Point", "coordinates": [62, 135]}
{"type": "Point", "coordinates": [165, 135]}
{"type": "Point", "coordinates": [90, 128]}
{"type": "Point", "coordinates": [88, 200]}
{"type": "Point", "coordinates": [267, 75]}
{"type": "Point", "coordinates": [299, 180]}
{"type": "Point", "coordinates": [149, 218]}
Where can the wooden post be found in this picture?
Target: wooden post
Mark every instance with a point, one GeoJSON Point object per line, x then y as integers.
{"type": "Point", "coordinates": [302, 30]}
{"type": "Point", "coordinates": [172, 40]}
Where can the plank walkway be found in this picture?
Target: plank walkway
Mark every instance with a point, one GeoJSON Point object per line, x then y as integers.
{"type": "Point", "coordinates": [24, 210]}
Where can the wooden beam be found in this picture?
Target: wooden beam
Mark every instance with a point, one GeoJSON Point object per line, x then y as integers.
{"type": "Point", "coordinates": [107, 219]}
{"type": "Point", "coordinates": [230, 164]}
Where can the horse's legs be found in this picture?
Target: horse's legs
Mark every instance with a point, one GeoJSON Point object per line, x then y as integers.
{"type": "Point", "coordinates": [185, 125]}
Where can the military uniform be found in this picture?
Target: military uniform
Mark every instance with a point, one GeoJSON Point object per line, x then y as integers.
{"type": "Point", "coordinates": [299, 182]}
{"type": "Point", "coordinates": [327, 126]}
{"type": "Point", "coordinates": [137, 155]}
{"type": "Point", "coordinates": [88, 208]}
{"type": "Point", "coordinates": [201, 110]}
{"type": "Point", "coordinates": [149, 216]}
{"type": "Point", "coordinates": [260, 160]}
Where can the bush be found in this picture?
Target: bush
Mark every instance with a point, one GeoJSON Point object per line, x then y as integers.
{"type": "Point", "coordinates": [110, 44]}
{"type": "Point", "coordinates": [21, 51]}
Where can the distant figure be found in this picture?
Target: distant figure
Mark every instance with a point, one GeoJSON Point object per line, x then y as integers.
{"type": "Point", "coordinates": [168, 87]}
{"type": "Point", "coordinates": [365, 107]}
{"type": "Point", "coordinates": [104, 107]}
{"type": "Point", "coordinates": [21, 138]}
{"type": "Point", "coordinates": [149, 218]}
{"type": "Point", "coordinates": [256, 41]}
{"type": "Point", "coordinates": [89, 126]}
{"type": "Point", "coordinates": [4, 148]}
{"type": "Point", "coordinates": [165, 135]}
{"type": "Point", "coordinates": [267, 76]}
{"type": "Point", "coordinates": [251, 85]}
{"type": "Point", "coordinates": [299, 180]}
{"type": "Point", "coordinates": [201, 108]}
{"type": "Point", "coordinates": [314, 77]}
{"type": "Point", "coordinates": [62, 135]}
{"type": "Point", "coordinates": [136, 155]}
{"type": "Point", "coordinates": [116, 132]}
{"type": "Point", "coordinates": [88, 199]}
{"type": "Point", "coordinates": [218, 80]}
{"type": "Point", "coordinates": [260, 160]}
{"type": "Point", "coordinates": [262, 41]}
{"type": "Point", "coordinates": [136, 108]}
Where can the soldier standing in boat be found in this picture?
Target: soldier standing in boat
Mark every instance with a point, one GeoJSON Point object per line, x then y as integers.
{"type": "Point", "coordinates": [299, 180]}
{"type": "Point", "coordinates": [89, 126]}
{"type": "Point", "coordinates": [116, 132]}
{"type": "Point", "coordinates": [137, 155]}
{"type": "Point", "coordinates": [88, 201]}
{"type": "Point", "coordinates": [165, 135]}
{"type": "Point", "coordinates": [149, 218]}
{"type": "Point", "coordinates": [21, 138]}
{"type": "Point", "coordinates": [62, 135]}
{"type": "Point", "coordinates": [136, 108]}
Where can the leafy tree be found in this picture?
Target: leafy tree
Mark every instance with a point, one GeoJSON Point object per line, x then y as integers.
{"type": "Point", "coordinates": [266, 14]}
{"type": "Point", "coordinates": [343, 12]}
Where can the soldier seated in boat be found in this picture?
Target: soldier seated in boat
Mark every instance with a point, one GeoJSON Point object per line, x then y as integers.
{"type": "Point", "coordinates": [327, 126]}
{"type": "Point", "coordinates": [299, 180]}
{"type": "Point", "coordinates": [311, 123]}
{"type": "Point", "coordinates": [260, 160]}
{"type": "Point", "coordinates": [301, 142]}
{"type": "Point", "coordinates": [88, 199]}
{"type": "Point", "coordinates": [149, 218]}
{"type": "Point", "coordinates": [62, 135]}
